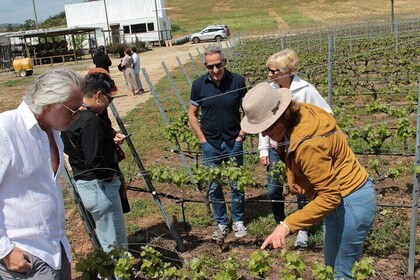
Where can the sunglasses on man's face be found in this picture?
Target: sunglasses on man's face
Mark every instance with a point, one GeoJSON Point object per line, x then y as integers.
{"type": "Point", "coordinates": [218, 66]}
{"type": "Point", "coordinates": [73, 112]}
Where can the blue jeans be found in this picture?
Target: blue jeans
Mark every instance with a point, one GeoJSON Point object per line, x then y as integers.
{"type": "Point", "coordinates": [275, 190]}
{"type": "Point", "coordinates": [102, 200]}
{"type": "Point", "coordinates": [346, 228]}
{"type": "Point", "coordinates": [214, 157]}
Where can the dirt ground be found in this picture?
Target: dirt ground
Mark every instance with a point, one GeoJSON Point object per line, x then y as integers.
{"type": "Point", "coordinates": [150, 60]}
{"type": "Point", "coordinates": [197, 239]}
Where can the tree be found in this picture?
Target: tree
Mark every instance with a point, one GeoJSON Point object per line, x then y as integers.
{"type": "Point", "coordinates": [10, 28]}
{"type": "Point", "coordinates": [28, 24]}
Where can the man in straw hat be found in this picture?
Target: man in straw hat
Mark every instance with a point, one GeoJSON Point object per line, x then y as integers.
{"type": "Point", "coordinates": [319, 164]}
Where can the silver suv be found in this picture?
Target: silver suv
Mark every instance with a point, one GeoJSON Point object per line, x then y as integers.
{"type": "Point", "coordinates": [210, 33]}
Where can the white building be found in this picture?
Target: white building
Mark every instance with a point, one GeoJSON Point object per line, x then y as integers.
{"type": "Point", "coordinates": [127, 19]}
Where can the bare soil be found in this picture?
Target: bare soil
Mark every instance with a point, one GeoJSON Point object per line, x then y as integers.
{"type": "Point", "coordinates": [197, 239]}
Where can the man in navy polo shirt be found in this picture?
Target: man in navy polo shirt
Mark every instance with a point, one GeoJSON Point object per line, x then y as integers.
{"type": "Point", "coordinates": [219, 94]}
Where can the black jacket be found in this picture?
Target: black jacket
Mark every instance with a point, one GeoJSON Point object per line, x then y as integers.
{"type": "Point", "coordinates": [90, 146]}
{"type": "Point", "coordinates": [101, 60]}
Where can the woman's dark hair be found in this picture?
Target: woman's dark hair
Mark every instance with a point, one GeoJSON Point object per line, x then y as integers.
{"type": "Point", "coordinates": [97, 81]}
{"type": "Point", "coordinates": [291, 116]}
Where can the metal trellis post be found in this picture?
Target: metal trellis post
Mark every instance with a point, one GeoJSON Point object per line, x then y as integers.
{"type": "Point", "coordinates": [181, 152]}
{"type": "Point", "coordinates": [167, 121]}
{"type": "Point", "coordinates": [146, 178]}
{"type": "Point", "coordinates": [84, 214]}
{"type": "Point", "coordinates": [330, 69]}
{"type": "Point", "coordinates": [194, 64]}
{"type": "Point", "coordinates": [174, 87]}
{"type": "Point", "coordinates": [200, 55]}
{"type": "Point", "coordinates": [183, 70]}
{"type": "Point", "coordinates": [415, 197]}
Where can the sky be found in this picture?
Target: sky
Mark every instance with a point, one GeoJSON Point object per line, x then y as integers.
{"type": "Point", "coordinates": [17, 11]}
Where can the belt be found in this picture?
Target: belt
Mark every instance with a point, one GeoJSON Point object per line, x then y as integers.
{"type": "Point", "coordinates": [114, 176]}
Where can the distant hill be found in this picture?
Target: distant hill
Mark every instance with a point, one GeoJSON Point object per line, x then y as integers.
{"type": "Point", "coordinates": [3, 26]}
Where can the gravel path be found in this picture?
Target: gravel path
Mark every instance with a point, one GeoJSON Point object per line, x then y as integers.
{"type": "Point", "coordinates": [152, 62]}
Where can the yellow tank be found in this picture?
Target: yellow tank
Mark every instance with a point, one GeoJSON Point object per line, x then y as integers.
{"type": "Point", "coordinates": [23, 66]}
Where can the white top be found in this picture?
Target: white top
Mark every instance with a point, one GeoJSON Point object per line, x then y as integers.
{"type": "Point", "coordinates": [136, 64]}
{"type": "Point", "coordinates": [31, 199]}
{"type": "Point", "coordinates": [302, 91]}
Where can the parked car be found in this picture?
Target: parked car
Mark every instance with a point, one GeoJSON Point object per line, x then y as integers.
{"type": "Point", "coordinates": [210, 33]}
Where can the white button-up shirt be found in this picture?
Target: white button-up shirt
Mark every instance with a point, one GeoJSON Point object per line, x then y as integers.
{"type": "Point", "coordinates": [31, 201]}
{"type": "Point", "coordinates": [302, 91]}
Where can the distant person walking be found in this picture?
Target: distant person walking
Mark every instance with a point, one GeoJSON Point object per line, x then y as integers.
{"type": "Point", "coordinates": [129, 75]}
{"type": "Point", "coordinates": [101, 59]}
{"type": "Point", "coordinates": [136, 59]}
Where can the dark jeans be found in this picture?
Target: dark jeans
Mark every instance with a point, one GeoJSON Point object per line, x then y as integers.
{"type": "Point", "coordinates": [275, 190]}
{"type": "Point", "coordinates": [214, 157]}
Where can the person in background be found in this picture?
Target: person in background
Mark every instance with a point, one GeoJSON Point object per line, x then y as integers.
{"type": "Point", "coordinates": [33, 244]}
{"type": "Point", "coordinates": [136, 60]}
{"type": "Point", "coordinates": [128, 71]}
{"type": "Point", "coordinates": [321, 165]}
{"type": "Point", "coordinates": [219, 95]}
{"type": "Point", "coordinates": [90, 145]}
{"type": "Point", "coordinates": [101, 59]}
{"type": "Point", "coordinates": [282, 69]}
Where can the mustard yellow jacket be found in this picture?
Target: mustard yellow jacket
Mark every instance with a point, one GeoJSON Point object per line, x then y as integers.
{"type": "Point", "coordinates": [321, 165]}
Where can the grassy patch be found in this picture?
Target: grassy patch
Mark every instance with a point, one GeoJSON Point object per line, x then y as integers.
{"type": "Point", "coordinates": [20, 81]}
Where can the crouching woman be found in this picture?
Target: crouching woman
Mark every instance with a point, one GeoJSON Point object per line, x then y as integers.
{"type": "Point", "coordinates": [321, 165]}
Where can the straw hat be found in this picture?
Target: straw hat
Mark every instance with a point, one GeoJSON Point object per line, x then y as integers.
{"type": "Point", "coordinates": [263, 105]}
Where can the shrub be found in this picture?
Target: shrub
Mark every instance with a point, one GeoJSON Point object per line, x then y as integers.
{"type": "Point", "coordinates": [140, 45]}
{"type": "Point", "coordinates": [117, 49]}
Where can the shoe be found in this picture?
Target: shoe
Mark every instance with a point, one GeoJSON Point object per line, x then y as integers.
{"type": "Point", "coordinates": [239, 229]}
{"type": "Point", "coordinates": [140, 91]}
{"type": "Point", "coordinates": [302, 239]}
{"type": "Point", "coordinates": [220, 233]}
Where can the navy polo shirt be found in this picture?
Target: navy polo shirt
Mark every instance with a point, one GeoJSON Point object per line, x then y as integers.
{"type": "Point", "coordinates": [220, 116]}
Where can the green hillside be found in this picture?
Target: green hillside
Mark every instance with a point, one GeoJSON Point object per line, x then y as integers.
{"type": "Point", "coordinates": [259, 16]}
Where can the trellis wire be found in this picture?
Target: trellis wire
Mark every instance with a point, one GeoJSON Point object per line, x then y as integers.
{"type": "Point", "coordinates": [370, 34]}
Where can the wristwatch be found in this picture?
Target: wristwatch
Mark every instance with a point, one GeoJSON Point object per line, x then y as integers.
{"type": "Point", "coordinates": [242, 136]}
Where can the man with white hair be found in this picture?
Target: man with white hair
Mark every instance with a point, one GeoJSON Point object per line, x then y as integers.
{"type": "Point", "coordinates": [33, 244]}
